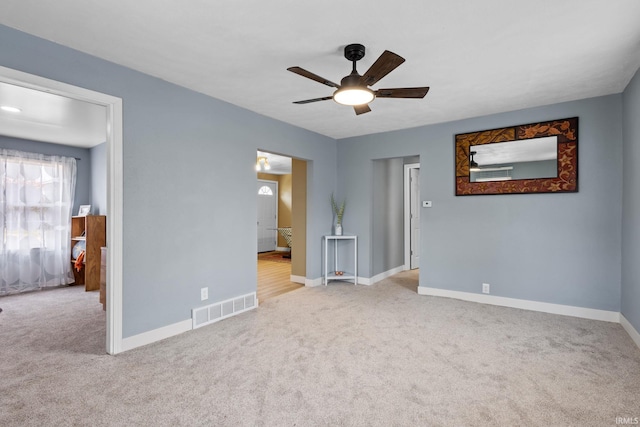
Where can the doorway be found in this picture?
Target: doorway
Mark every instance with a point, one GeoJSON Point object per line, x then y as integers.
{"type": "Point", "coordinates": [114, 156]}
{"type": "Point", "coordinates": [281, 220]}
{"type": "Point", "coordinates": [412, 216]}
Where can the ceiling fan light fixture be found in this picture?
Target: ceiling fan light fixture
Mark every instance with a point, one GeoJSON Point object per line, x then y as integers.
{"type": "Point", "coordinates": [353, 89]}
{"type": "Point", "coordinates": [353, 95]}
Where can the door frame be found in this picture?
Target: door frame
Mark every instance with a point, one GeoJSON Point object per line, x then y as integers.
{"type": "Point", "coordinates": [115, 205]}
{"type": "Point", "coordinates": [277, 203]}
{"type": "Point", "coordinates": [407, 213]}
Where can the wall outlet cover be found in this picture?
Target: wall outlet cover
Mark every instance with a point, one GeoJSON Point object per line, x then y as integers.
{"type": "Point", "coordinates": [486, 288]}
{"type": "Point", "coordinates": [204, 294]}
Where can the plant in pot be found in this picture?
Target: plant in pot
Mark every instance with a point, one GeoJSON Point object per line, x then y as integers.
{"type": "Point", "coordinates": [338, 210]}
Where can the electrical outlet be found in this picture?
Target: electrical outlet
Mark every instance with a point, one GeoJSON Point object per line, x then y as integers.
{"type": "Point", "coordinates": [486, 288]}
{"type": "Point", "coordinates": [204, 294]}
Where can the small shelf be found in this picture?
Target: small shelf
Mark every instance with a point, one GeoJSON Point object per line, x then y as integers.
{"type": "Point", "coordinates": [347, 275]}
{"type": "Point", "coordinates": [343, 277]}
{"type": "Point", "coordinates": [91, 230]}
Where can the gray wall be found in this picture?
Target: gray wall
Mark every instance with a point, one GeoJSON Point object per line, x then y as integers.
{"type": "Point", "coordinates": [631, 204]}
{"type": "Point", "coordinates": [83, 166]}
{"type": "Point", "coordinates": [99, 179]}
{"type": "Point", "coordinates": [557, 248]}
{"type": "Point", "coordinates": [387, 215]}
{"type": "Point", "coordinates": [189, 182]}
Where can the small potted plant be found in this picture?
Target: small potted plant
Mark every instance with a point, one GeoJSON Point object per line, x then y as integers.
{"type": "Point", "coordinates": [338, 210]}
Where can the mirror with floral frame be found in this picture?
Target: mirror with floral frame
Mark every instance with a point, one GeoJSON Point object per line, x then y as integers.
{"type": "Point", "coordinates": [547, 144]}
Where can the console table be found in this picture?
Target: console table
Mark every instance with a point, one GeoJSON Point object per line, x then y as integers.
{"type": "Point", "coordinates": [331, 275]}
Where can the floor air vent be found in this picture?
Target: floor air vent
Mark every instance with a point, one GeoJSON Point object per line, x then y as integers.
{"type": "Point", "coordinates": [206, 315]}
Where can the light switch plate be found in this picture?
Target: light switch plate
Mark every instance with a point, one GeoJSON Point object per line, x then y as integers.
{"type": "Point", "coordinates": [426, 203]}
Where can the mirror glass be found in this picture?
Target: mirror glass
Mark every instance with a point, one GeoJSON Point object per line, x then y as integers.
{"type": "Point", "coordinates": [511, 160]}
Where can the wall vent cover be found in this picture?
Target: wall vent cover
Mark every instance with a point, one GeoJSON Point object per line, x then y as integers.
{"type": "Point", "coordinates": [212, 313]}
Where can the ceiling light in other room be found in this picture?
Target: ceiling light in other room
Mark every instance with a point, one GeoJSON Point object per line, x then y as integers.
{"type": "Point", "coordinates": [262, 164]}
{"type": "Point", "coordinates": [10, 109]}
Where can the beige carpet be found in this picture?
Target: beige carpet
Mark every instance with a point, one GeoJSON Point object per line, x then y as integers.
{"type": "Point", "coordinates": [331, 356]}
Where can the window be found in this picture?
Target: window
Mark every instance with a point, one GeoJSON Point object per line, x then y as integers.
{"type": "Point", "coordinates": [36, 199]}
{"type": "Point", "coordinates": [265, 191]}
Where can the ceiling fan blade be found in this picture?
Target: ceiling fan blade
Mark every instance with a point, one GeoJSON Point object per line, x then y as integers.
{"type": "Point", "coordinates": [405, 92]}
{"type": "Point", "coordinates": [308, 74]}
{"type": "Point", "coordinates": [386, 63]}
{"type": "Point", "coordinates": [361, 109]}
{"type": "Point", "coordinates": [307, 101]}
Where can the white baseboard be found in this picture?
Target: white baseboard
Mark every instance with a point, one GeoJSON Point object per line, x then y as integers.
{"type": "Point", "coordinates": [298, 279]}
{"type": "Point", "coordinates": [313, 282]}
{"type": "Point", "coordinates": [545, 307]}
{"type": "Point", "coordinates": [379, 277]}
{"type": "Point", "coordinates": [635, 336]}
{"type": "Point", "coordinates": [307, 282]}
{"type": "Point", "coordinates": [283, 249]}
{"type": "Point", "coordinates": [149, 337]}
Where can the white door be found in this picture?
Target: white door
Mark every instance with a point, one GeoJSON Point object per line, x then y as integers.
{"type": "Point", "coordinates": [414, 226]}
{"type": "Point", "coordinates": [267, 215]}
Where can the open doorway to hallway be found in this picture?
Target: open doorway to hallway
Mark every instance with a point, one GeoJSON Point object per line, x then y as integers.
{"type": "Point", "coordinates": [395, 239]}
{"type": "Point", "coordinates": [281, 221]}
{"type": "Point", "coordinates": [412, 216]}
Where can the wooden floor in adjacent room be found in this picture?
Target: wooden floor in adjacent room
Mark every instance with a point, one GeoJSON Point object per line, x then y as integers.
{"type": "Point", "coordinates": [274, 276]}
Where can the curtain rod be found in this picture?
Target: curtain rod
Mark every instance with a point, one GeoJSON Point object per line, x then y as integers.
{"type": "Point", "coordinates": [39, 154]}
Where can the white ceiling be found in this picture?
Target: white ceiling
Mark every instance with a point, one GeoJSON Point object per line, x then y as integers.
{"type": "Point", "coordinates": [478, 57]}
{"type": "Point", "coordinates": [51, 118]}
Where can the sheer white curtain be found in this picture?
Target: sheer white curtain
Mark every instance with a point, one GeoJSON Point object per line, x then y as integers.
{"type": "Point", "coordinates": [36, 199]}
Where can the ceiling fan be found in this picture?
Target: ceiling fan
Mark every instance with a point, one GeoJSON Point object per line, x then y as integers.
{"type": "Point", "coordinates": [354, 88]}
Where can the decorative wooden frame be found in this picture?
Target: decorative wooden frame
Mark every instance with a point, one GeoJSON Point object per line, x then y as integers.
{"type": "Point", "coordinates": [566, 182]}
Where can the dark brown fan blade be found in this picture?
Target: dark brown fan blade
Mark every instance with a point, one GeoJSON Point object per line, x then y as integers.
{"type": "Point", "coordinates": [386, 63]}
{"type": "Point", "coordinates": [361, 109]}
{"type": "Point", "coordinates": [306, 101]}
{"type": "Point", "coordinates": [405, 92]}
{"type": "Point", "coordinates": [310, 75]}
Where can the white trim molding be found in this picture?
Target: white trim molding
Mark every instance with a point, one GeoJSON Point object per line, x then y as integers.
{"type": "Point", "coordinates": [283, 249]}
{"type": "Point", "coordinates": [152, 336]}
{"type": "Point", "coordinates": [307, 282]}
{"type": "Point", "coordinates": [633, 333]}
{"type": "Point", "coordinates": [545, 307]}
{"type": "Point", "coordinates": [381, 276]}
{"type": "Point", "coordinates": [298, 279]}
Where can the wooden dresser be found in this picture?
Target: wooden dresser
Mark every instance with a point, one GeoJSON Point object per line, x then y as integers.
{"type": "Point", "coordinates": [92, 230]}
